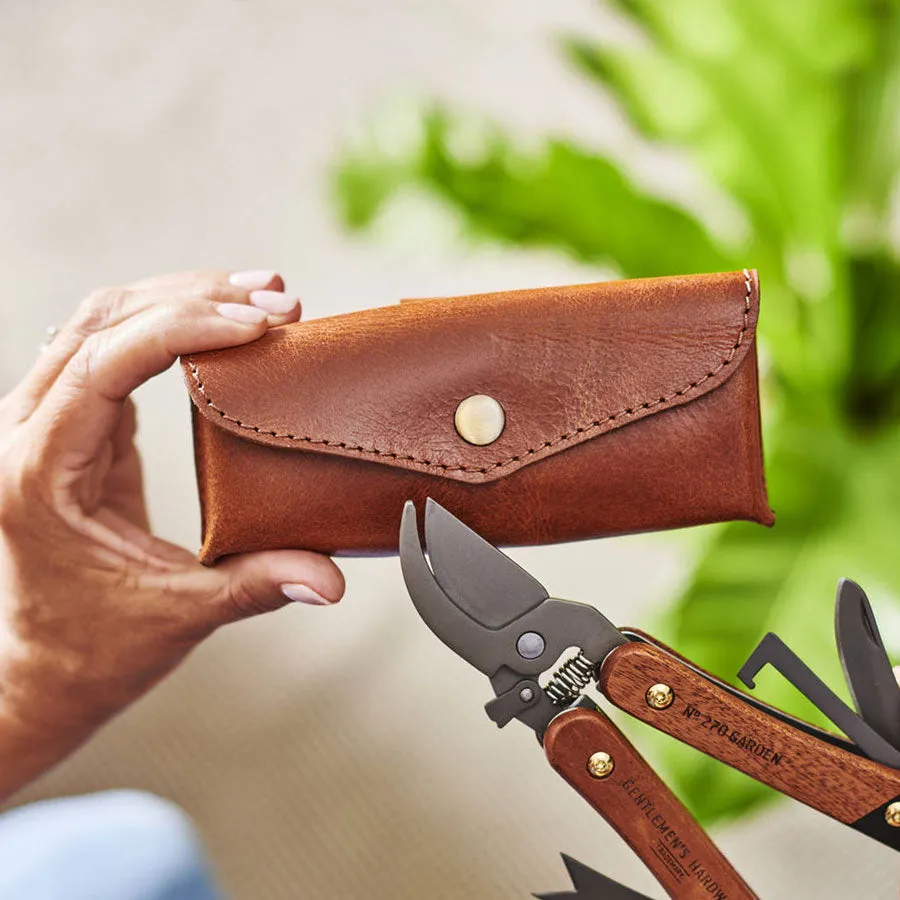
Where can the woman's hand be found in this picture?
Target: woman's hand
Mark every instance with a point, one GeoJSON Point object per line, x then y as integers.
{"type": "Point", "coordinates": [94, 610]}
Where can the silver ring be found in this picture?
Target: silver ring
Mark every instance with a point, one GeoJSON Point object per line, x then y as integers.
{"type": "Point", "coordinates": [50, 336]}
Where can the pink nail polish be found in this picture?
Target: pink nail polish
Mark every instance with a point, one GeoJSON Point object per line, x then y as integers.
{"type": "Point", "coordinates": [238, 312]}
{"type": "Point", "coordinates": [253, 279]}
{"type": "Point", "coordinates": [274, 302]}
{"type": "Point", "coordinates": [303, 594]}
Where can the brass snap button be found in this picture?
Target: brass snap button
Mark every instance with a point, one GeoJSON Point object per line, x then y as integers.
{"type": "Point", "coordinates": [479, 420]}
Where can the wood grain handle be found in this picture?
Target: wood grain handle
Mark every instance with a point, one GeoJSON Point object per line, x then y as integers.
{"type": "Point", "coordinates": [639, 806]}
{"type": "Point", "coordinates": [835, 781]}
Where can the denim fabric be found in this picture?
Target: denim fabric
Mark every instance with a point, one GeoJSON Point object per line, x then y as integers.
{"type": "Point", "coordinates": [120, 845]}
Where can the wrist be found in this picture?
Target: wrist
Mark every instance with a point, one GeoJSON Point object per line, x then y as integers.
{"type": "Point", "coordinates": [39, 694]}
{"type": "Point", "coordinates": [43, 717]}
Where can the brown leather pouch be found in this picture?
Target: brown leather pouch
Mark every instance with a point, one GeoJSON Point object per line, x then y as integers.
{"type": "Point", "coordinates": [629, 406]}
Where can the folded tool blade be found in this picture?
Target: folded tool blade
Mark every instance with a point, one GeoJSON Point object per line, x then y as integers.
{"type": "Point", "coordinates": [867, 668]}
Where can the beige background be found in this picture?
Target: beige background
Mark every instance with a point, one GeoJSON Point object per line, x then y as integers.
{"type": "Point", "coordinates": [342, 752]}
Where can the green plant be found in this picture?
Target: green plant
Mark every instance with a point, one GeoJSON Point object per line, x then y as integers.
{"type": "Point", "coordinates": [790, 109]}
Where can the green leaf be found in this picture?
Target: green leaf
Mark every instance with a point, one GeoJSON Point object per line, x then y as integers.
{"type": "Point", "coordinates": [363, 186]}
{"type": "Point", "coordinates": [762, 117]}
{"type": "Point", "coordinates": [872, 390]}
{"type": "Point", "coordinates": [760, 114]}
{"type": "Point", "coordinates": [556, 196]}
{"type": "Point", "coordinates": [661, 98]}
{"type": "Point", "coordinates": [873, 136]}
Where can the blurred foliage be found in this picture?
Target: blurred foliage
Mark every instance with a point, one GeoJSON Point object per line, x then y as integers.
{"type": "Point", "coordinates": [790, 111]}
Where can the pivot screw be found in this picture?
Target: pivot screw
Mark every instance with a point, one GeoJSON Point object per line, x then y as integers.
{"type": "Point", "coordinates": [526, 695]}
{"type": "Point", "coordinates": [892, 814]}
{"type": "Point", "coordinates": [530, 645]}
{"type": "Point", "coordinates": [660, 696]}
{"type": "Point", "coordinates": [601, 764]}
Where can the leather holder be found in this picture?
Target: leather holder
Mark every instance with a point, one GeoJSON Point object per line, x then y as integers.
{"type": "Point", "coordinates": [629, 406]}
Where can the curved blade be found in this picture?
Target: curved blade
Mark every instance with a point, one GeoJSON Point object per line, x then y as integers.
{"type": "Point", "coordinates": [867, 668]}
{"type": "Point", "coordinates": [453, 626]}
{"type": "Point", "coordinates": [483, 582]}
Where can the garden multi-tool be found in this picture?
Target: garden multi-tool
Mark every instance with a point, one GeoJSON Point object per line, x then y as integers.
{"type": "Point", "coordinates": [496, 616]}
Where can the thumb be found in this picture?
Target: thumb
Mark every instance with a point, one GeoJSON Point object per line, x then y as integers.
{"type": "Point", "coordinates": [252, 583]}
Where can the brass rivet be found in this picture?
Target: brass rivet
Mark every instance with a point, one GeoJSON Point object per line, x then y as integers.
{"type": "Point", "coordinates": [660, 696]}
{"type": "Point", "coordinates": [892, 814]}
{"type": "Point", "coordinates": [601, 764]}
{"type": "Point", "coordinates": [479, 420]}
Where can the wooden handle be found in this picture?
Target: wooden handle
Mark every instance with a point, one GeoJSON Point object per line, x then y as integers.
{"type": "Point", "coordinates": [828, 778]}
{"type": "Point", "coordinates": [636, 802]}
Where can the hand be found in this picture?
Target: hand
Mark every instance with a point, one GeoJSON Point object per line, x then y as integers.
{"type": "Point", "coordinates": [94, 610]}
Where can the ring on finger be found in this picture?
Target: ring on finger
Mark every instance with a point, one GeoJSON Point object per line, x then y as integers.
{"type": "Point", "coordinates": [50, 336]}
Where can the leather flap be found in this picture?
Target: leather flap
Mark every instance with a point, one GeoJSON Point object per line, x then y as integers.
{"type": "Point", "coordinates": [567, 364]}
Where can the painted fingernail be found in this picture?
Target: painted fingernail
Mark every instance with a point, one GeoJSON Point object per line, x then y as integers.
{"type": "Point", "coordinates": [274, 302]}
{"type": "Point", "coordinates": [253, 279]}
{"type": "Point", "coordinates": [303, 594]}
{"type": "Point", "coordinates": [238, 312]}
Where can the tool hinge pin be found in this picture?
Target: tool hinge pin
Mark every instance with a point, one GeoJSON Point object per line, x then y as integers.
{"type": "Point", "coordinates": [660, 696]}
{"type": "Point", "coordinates": [600, 764]}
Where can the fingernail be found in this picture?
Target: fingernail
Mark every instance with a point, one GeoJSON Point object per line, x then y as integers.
{"type": "Point", "coordinates": [253, 279]}
{"type": "Point", "coordinates": [274, 302]}
{"type": "Point", "coordinates": [303, 594]}
{"type": "Point", "coordinates": [238, 312]}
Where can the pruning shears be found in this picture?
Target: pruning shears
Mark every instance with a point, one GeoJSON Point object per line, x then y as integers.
{"type": "Point", "coordinates": [501, 620]}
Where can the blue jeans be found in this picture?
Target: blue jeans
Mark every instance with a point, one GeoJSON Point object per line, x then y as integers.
{"type": "Point", "coordinates": [119, 845]}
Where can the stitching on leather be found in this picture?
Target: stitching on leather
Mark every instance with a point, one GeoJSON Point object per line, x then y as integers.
{"type": "Point", "coordinates": [483, 470]}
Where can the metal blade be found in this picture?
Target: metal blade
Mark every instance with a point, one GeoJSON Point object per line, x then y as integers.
{"type": "Point", "coordinates": [498, 618]}
{"type": "Point", "coordinates": [591, 885]}
{"type": "Point", "coordinates": [477, 577]}
{"type": "Point", "coordinates": [867, 668]}
{"type": "Point", "coordinates": [774, 652]}
{"type": "Point", "coordinates": [453, 626]}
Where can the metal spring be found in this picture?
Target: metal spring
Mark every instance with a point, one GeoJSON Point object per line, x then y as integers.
{"type": "Point", "coordinates": [568, 681]}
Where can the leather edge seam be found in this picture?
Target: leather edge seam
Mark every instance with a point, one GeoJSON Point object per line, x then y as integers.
{"type": "Point", "coordinates": [514, 460]}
